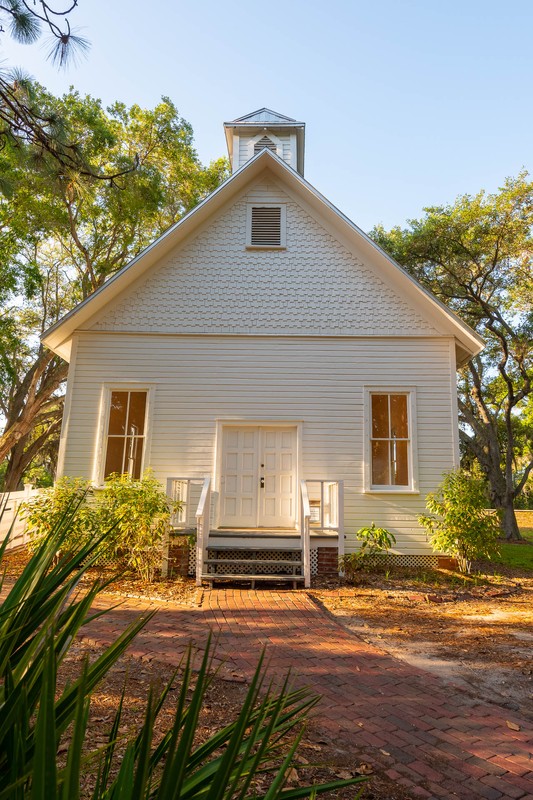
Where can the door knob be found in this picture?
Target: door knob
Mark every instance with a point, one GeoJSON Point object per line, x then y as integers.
{"type": "Point", "coordinates": [261, 483]}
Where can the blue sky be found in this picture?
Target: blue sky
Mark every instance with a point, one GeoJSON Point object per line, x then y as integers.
{"type": "Point", "coordinates": [407, 103]}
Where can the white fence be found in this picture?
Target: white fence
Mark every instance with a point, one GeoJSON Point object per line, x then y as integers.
{"type": "Point", "coordinates": [10, 504]}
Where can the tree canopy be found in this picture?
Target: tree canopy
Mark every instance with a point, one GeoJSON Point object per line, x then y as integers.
{"type": "Point", "coordinates": [476, 256]}
{"type": "Point", "coordinates": [25, 116]}
{"type": "Point", "coordinates": [62, 236]}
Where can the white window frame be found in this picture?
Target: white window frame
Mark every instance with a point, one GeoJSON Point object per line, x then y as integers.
{"type": "Point", "coordinates": [105, 405]}
{"type": "Point", "coordinates": [283, 227]}
{"type": "Point", "coordinates": [412, 487]}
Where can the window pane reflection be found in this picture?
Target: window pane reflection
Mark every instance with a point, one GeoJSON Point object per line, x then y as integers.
{"type": "Point", "coordinates": [399, 464]}
{"type": "Point", "coordinates": [117, 413]}
{"type": "Point", "coordinates": [390, 442]}
{"type": "Point", "coordinates": [380, 416]}
{"type": "Point", "coordinates": [380, 463]}
{"type": "Point", "coordinates": [398, 413]}
{"type": "Point", "coordinates": [125, 436]}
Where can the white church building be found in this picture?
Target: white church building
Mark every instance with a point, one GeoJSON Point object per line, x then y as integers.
{"type": "Point", "coordinates": [275, 368]}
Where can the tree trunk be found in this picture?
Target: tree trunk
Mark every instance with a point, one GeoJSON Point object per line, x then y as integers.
{"type": "Point", "coordinates": [23, 453]}
{"type": "Point", "coordinates": [34, 393]}
{"type": "Point", "coordinates": [508, 522]}
{"type": "Point", "coordinates": [15, 468]}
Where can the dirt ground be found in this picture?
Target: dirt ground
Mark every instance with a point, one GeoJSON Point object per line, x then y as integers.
{"type": "Point", "coordinates": [476, 631]}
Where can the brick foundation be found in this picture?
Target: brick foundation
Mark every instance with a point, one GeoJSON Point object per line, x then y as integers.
{"type": "Point", "coordinates": [447, 562]}
{"type": "Point", "coordinates": [178, 558]}
{"type": "Point", "coordinates": [328, 561]}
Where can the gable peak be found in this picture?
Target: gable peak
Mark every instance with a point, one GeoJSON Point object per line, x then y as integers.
{"type": "Point", "coordinates": [246, 136]}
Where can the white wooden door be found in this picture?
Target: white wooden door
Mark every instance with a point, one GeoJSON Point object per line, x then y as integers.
{"type": "Point", "coordinates": [239, 479]}
{"type": "Point", "coordinates": [277, 478]}
{"type": "Point", "coordinates": [258, 477]}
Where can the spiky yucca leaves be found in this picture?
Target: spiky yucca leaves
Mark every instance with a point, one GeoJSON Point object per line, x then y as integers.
{"type": "Point", "coordinates": [39, 618]}
{"type": "Point", "coordinates": [38, 621]}
{"type": "Point", "coordinates": [225, 767]}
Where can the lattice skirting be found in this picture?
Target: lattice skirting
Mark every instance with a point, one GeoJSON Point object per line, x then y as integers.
{"type": "Point", "coordinates": [273, 554]}
{"type": "Point", "coordinates": [270, 556]}
{"type": "Point", "coordinates": [269, 562]}
{"type": "Point", "coordinates": [192, 560]}
{"type": "Point", "coordinates": [106, 559]}
{"type": "Point", "coordinates": [399, 560]}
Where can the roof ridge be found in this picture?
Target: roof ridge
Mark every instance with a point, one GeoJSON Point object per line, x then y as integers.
{"type": "Point", "coordinates": [258, 111]}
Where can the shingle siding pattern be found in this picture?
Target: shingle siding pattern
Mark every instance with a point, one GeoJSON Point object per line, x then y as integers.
{"type": "Point", "coordinates": [213, 284]}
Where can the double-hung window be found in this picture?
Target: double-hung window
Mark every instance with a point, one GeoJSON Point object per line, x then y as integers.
{"type": "Point", "coordinates": [126, 433]}
{"type": "Point", "coordinates": [391, 460]}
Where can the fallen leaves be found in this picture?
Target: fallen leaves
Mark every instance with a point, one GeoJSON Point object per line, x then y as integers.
{"type": "Point", "coordinates": [364, 769]}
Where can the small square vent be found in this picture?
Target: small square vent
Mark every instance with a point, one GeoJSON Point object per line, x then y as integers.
{"type": "Point", "coordinates": [266, 226]}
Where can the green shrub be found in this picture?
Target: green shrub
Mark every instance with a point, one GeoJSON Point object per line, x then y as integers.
{"type": "Point", "coordinates": [459, 523]}
{"type": "Point", "coordinates": [44, 512]}
{"type": "Point", "coordinates": [374, 541]}
{"type": "Point", "coordinates": [138, 512]}
{"type": "Point", "coordinates": [39, 620]}
{"type": "Point", "coordinates": [133, 514]}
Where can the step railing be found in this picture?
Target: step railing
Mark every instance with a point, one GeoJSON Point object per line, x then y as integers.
{"type": "Point", "coordinates": [322, 510]}
{"type": "Point", "coordinates": [203, 513]}
{"type": "Point", "coordinates": [305, 533]}
{"type": "Point", "coordinates": [185, 492]}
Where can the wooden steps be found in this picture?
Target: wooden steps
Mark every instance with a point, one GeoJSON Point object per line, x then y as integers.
{"type": "Point", "coordinates": [251, 563]}
{"type": "Point", "coordinates": [219, 561]}
{"type": "Point", "coordinates": [215, 578]}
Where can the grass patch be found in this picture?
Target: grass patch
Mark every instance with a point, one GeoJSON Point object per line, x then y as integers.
{"type": "Point", "coordinates": [518, 555]}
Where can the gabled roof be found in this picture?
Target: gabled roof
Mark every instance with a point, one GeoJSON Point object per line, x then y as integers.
{"type": "Point", "coordinates": [263, 115]}
{"type": "Point", "coordinates": [468, 343]}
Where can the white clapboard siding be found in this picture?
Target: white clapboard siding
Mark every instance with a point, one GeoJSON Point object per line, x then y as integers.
{"type": "Point", "coordinates": [316, 380]}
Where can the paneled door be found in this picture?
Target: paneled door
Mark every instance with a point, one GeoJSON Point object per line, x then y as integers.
{"type": "Point", "coordinates": [258, 480]}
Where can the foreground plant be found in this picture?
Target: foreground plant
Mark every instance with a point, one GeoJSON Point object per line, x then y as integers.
{"type": "Point", "coordinates": [459, 523]}
{"type": "Point", "coordinates": [39, 620]}
{"type": "Point", "coordinates": [129, 516]}
{"type": "Point", "coordinates": [374, 542]}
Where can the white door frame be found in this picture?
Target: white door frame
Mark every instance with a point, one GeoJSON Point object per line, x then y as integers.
{"type": "Point", "coordinates": [244, 422]}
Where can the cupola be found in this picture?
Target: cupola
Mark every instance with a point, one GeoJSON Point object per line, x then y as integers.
{"type": "Point", "coordinates": [249, 135]}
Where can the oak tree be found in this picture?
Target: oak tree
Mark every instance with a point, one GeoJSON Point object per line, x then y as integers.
{"type": "Point", "coordinates": [63, 235]}
{"type": "Point", "coordinates": [476, 255]}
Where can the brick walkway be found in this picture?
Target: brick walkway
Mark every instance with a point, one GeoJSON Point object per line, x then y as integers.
{"type": "Point", "coordinates": [429, 736]}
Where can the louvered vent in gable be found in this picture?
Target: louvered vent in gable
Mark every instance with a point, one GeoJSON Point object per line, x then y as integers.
{"type": "Point", "coordinates": [266, 226]}
{"type": "Point", "coordinates": [262, 143]}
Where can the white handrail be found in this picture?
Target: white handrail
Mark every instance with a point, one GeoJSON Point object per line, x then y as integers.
{"type": "Point", "coordinates": [202, 528]}
{"type": "Point", "coordinates": [340, 516]}
{"type": "Point", "coordinates": [305, 533]}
